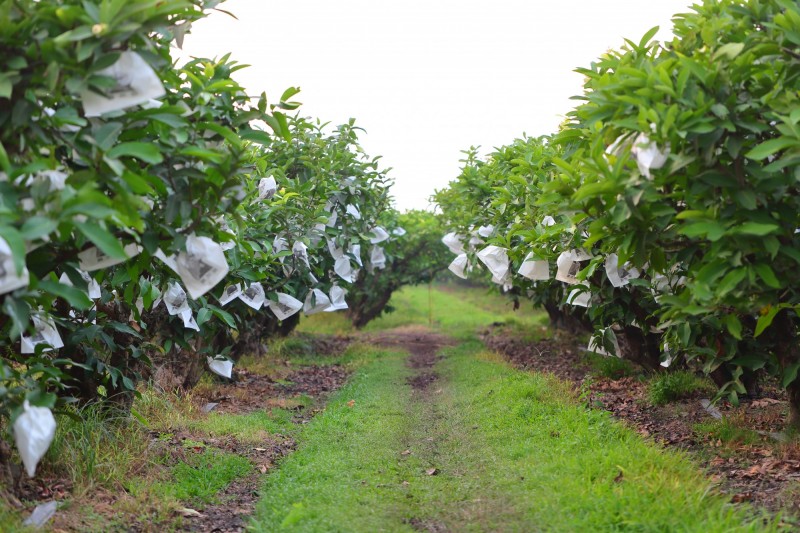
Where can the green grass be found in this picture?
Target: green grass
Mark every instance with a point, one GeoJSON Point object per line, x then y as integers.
{"type": "Point", "coordinates": [609, 367]}
{"type": "Point", "coordinates": [95, 447]}
{"type": "Point", "coordinates": [513, 452]}
{"type": "Point", "coordinates": [249, 427]}
{"type": "Point", "coordinates": [728, 431]}
{"type": "Point", "coordinates": [197, 480]}
{"type": "Point", "coordinates": [665, 388]}
{"type": "Point", "coordinates": [455, 312]}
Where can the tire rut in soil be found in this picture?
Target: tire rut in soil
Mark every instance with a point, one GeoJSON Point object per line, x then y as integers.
{"type": "Point", "coordinates": [423, 347]}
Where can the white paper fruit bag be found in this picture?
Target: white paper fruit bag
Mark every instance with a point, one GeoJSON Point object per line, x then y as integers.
{"type": "Point", "coordinates": [459, 266]}
{"type": "Point", "coordinates": [316, 302]}
{"type": "Point", "coordinates": [337, 299]}
{"type": "Point", "coordinates": [286, 306]}
{"type": "Point", "coordinates": [34, 430]}
{"type": "Point", "coordinates": [221, 367]}
{"type": "Point", "coordinates": [136, 83]}
{"type": "Point", "coordinates": [202, 265]}
{"type": "Point", "coordinates": [254, 296]}
{"type": "Point", "coordinates": [45, 333]}
{"type": "Point", "coordinates": [496, 260]}
{"type": "Point", "coordinates": [534, 269]}
{"type": "Point", "coordinates": [10, 279]}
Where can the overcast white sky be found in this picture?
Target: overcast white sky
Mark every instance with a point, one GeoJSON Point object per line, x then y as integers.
{"type": "Point", "coordinates": [426, 79]}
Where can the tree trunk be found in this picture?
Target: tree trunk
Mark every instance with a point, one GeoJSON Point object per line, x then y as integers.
{"type": "Point", "coordinates": [361, 315]}
{"type": "Point", "coordinates": [570, 322]}
{"type": "Point", "coordinates": [788, 355]}
{"type": "Point", "coordinates": [642, 348]}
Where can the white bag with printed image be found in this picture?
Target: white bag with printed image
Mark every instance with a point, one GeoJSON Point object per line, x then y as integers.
{"type": "Point", "coordinates": [136, 83]}
{"type": "Point", "coordinates": [230, 293]}
{"type": "Point", "coordinates": [267, 187]}
{"type": "Point", "coordinates": [93, 258]}
{"type": "Point", "coordinates": [619, 276]}
{"type": "Point", "coordinates": [286, 306]}
{"type": "Point", "coordinates": [316, 302]}
{"type": "Point", "coordinates": [34, 430]}
{"type": "Point", "coordinates": [254, 296]}
{"type": "Point", "coordinates": [300, 252]}
{"type": "Point", "coordinates": [202, 265]}
{"type": "Point", "coordinates": [45, 332]}
{"type": "Point", "coordinates": [568, 267]}
{"type": "Point", "coordinates": [337, 299]}
{"type": "Point", "coordinates": [10, 279]}
{"type": "Point", "coordinates": [175, 299]}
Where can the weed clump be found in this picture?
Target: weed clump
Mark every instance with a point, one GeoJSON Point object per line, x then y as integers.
{"type": "Point", "coordinates": [675, 386]}
{"type": "Point", "coordinates": [610, 367]}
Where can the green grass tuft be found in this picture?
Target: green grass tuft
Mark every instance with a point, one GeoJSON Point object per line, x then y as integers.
{"type": "Point", "coordinates": [609, 367]}
{"type": "Point", "coordinates": [198, 480]}
{"type": "Point", "coordinates": [665, 388]}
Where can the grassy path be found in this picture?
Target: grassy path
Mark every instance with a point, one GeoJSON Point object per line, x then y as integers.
{"type": "Point", "coordinates": [465, 443]}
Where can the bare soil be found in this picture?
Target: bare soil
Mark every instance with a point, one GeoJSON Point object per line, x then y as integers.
{"type": "Point", "coordinates": [250, 391]}
{"type": "Point", "coordinates": [765, 473]}
{"type": "Point", "coordinates": [422, 345]}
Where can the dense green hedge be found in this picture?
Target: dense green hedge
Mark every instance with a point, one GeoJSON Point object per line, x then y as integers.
{"type": "Point", "coordinates": [681, 164]}
{"type": "Point", "coordinates": [155, 220]}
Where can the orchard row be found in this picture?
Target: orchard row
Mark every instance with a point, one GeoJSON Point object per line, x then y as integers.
{"type": "Point", "coordinates": [156, 221]}
{"type": "Point", "coordinates": [664, 214]}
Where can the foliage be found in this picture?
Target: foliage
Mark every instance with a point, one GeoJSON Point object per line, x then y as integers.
{"type": "Point", "coordinates": [678, 173]}
{"type": "Point", "coordinates": [149, 190]}
{"type": "Point", "coordinates": [414, 257]}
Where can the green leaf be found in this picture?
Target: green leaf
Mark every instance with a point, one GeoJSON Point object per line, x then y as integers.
{"type": "Point", "coordinates": [767, 148]}
{"type": "Point", "coordinates": [754, 228]}
{"type": "Point", "coordinates": [36, 227]}
{"type": "Point", "coordinates": [709, 229]}
{"type": "Point", "coordinates": [767, 275]}
{"type": "Point", "coordinates": [766, 319]}
{"type": "Point", "coordinates": [790, 374]}
{"type": "Point", "coordinates": [729, 50]}
{"type": "Point", "coordinates": [20, 314]}
{"type": "Point", "coordinates": [734, 326]}
{"type": "Point", "coordinates": [204, 315]}
{"type": "Point", "coordinates": [147, 152]}
{"type": "Point", "coordinates": [74, 296]}
{"type": "Point", "coordinates": [102, 238]}
{"type": "Point", "coordinates": [223, 315]}
{"type": "Point", "coordinates": [730, 281]}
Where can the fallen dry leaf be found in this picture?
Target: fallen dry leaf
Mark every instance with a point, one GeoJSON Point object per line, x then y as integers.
{"type": "Point", "coordinates": [351, 403]}
{"type": "Point", "coordinates": [189, 512]}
